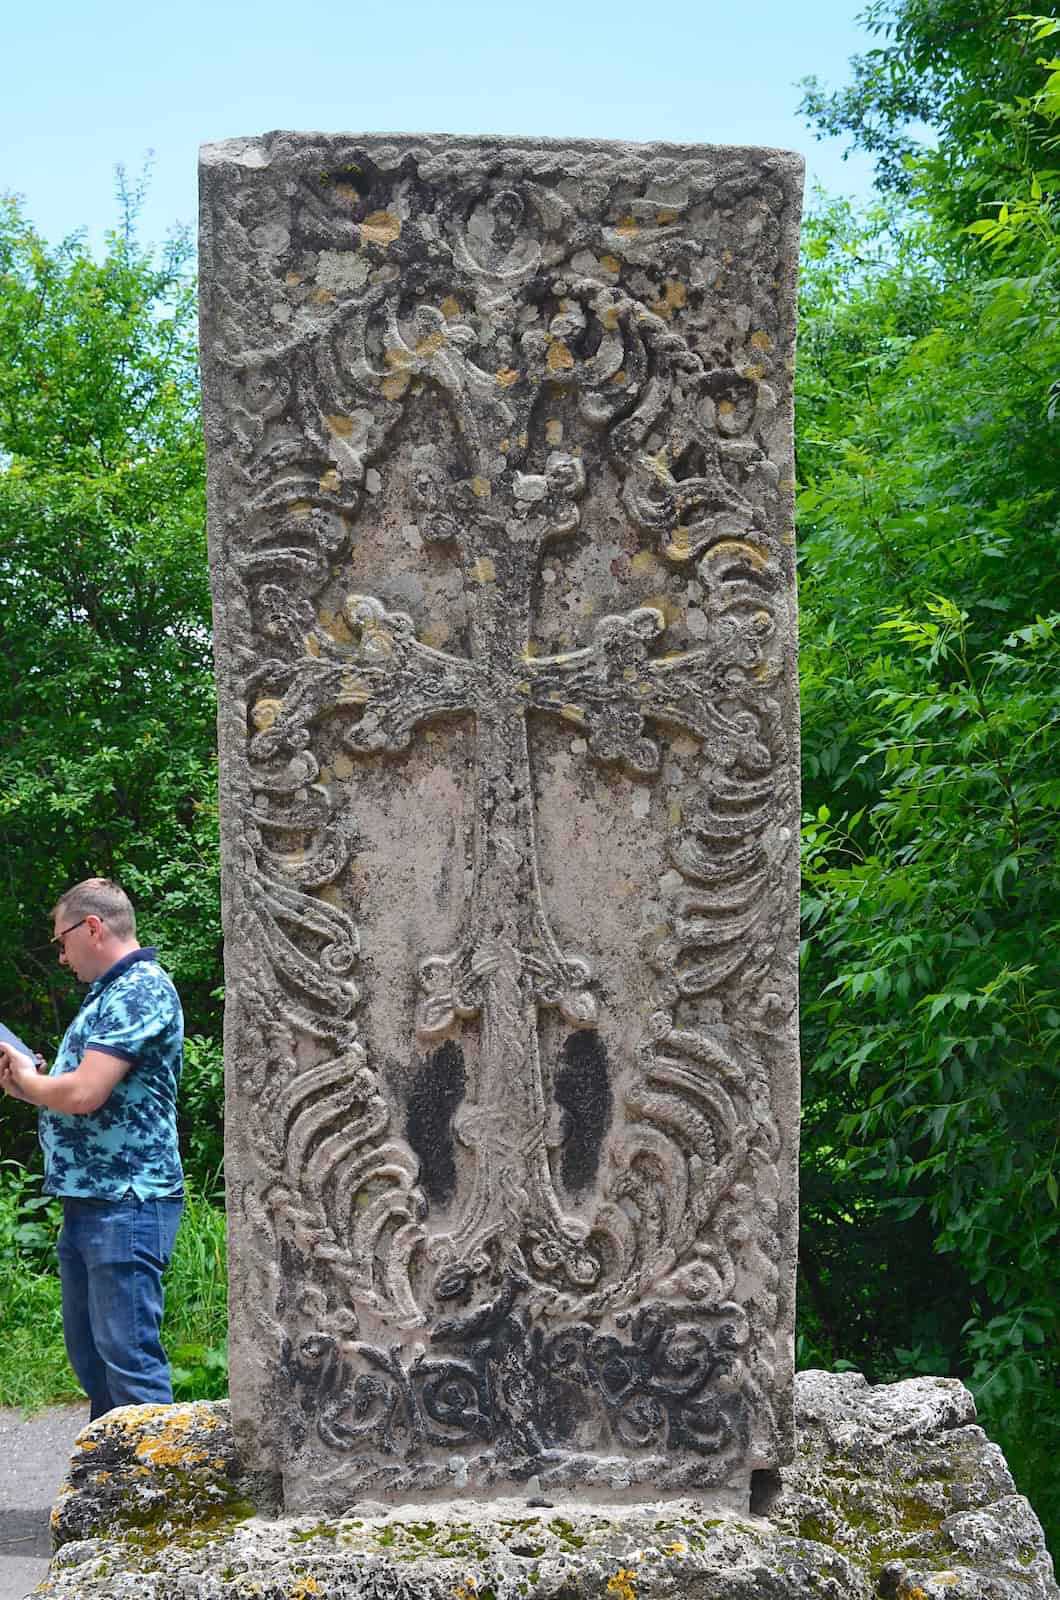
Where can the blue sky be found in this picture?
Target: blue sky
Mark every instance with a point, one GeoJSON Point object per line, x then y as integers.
{"type": "Point", "coordinates": [87, 86]}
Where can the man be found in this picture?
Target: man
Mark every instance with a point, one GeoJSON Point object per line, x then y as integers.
{"type": "Point", "coordinates": [109, 1134]}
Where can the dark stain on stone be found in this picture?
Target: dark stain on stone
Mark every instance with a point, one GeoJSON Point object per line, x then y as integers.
{"type": "Point", "coordinates": [584, 1092]}
{"type": "Point", "coordinates": [437, 1090]}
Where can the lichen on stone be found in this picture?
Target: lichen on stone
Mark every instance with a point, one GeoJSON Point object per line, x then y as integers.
{"type": "Point", "coordinates": [895, 1494]}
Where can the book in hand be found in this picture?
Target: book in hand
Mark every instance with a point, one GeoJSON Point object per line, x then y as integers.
{"type": "Point", "coordinates": [15, 1043]}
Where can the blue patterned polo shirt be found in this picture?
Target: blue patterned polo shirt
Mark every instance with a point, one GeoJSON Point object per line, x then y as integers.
{"type": "Point", "coordinates": [131, 1011]}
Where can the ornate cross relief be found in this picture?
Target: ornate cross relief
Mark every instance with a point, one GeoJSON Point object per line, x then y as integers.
{"type": "Point", "coordinates": [638, 1337]}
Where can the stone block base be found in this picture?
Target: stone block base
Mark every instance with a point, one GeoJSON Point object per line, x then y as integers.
{"type": "Point", "coordinates": [894, 1493]}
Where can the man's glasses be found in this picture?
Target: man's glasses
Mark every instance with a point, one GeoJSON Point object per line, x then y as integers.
{"type": "Point", "coordinates": [60, 938]}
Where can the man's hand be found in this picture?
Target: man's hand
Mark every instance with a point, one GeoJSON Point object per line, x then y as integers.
{"type": "Point", "coordinates": [15, 1071]}
{"type": "Point", "coordinates": [76, 1093]}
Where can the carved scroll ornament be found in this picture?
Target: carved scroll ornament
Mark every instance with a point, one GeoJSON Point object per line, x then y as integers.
{"type": "Point", "coordinates": [522, 1327]}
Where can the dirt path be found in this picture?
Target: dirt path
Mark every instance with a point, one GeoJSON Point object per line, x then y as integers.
{"type": "Point", "coordinates": [34, 1452]}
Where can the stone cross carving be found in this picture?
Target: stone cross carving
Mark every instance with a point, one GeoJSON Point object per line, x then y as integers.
{"type": "Point", "coordinates": [540, 1219]}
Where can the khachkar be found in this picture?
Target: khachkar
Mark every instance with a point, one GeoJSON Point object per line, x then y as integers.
{"type": "Point", "coordinates": [500, 498]}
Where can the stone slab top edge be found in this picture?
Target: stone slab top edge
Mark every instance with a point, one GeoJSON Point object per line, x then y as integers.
{"type": "Point", "coordinates": [273, 147]}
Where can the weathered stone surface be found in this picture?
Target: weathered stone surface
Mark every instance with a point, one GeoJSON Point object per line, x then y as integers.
{"type": "Point", "coordinates": [500, 504]}
{"type": "Point", "coordinates": [894, 1492]}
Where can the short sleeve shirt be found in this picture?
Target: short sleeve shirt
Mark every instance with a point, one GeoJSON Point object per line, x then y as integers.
{"type": "Point", "coordinates": [131, 1011]}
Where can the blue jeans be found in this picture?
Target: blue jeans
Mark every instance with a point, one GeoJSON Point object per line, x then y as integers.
{"type": "Point", "coordinates": [112, 1254]}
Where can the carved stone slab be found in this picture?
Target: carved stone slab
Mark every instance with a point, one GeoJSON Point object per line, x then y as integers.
{"type": "Point", "coordinates": [500, 512]}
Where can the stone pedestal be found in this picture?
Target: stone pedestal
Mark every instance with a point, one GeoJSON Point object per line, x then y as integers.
{"type": "Point", "coordinates": [893, 1493]}
{"type": "Point", "coordinates": [500, 474]}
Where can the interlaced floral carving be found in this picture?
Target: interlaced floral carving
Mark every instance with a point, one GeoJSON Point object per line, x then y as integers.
{"type": "Point", "coordinates": [487, 301]}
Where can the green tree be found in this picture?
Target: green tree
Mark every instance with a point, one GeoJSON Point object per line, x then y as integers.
{"type": "Point", "coordinates": [951, 104]}
{"type": "Point", "coordinates": [929, 513]}
{"type": "Point", "coordinates": [106, 703]}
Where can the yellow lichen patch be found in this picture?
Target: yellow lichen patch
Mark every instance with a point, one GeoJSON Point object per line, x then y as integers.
{"type": "Point", "coordinates": [622, 1584]}
{"type": "Point", "coordinates": [621, 376]}
{"type": "Point", "coordinates": [262, 715]}
{"type": "Point", "coordinates": [611, 264]}
{"type": "Point", "coordinates": [342, 426]}
{"type": "Point", "coordinates": [484, 571]}
{"type": "Point", "coordinates": [644, 561]}
{"type": "Point", "coordinates": [680, 546]}
{"type": "Point", "coordinates": [342, 766]}
{"type": "Point", "coordinates": [329, 480]}
{"type": "Point", "coordinates": [675, 294]}
{"type": "Point", "coordinates": [481, 488]}
{"type": "Point", "coordinates": [450, 306]}
{"type": "Point", "coordinates": [300, 510]}
{"type": "Point", "coordinates": [381, 228]}
{"type": "Point", "coordinates": [398, 357]}
{"type": "Point", "coordinates": [627, 227]}
{"type": "Point", "coordinates": [506, 376]}
{"type": "Point", "coordinates": [523, 686]}
{"type": "Point", "coordinates": [505, 445]}
{"type": "Point", "coordinates": [761, 340]}
{"type": "Point", "coordinates": [394, 386]}
{"type": "Point", "coordinates": [293, 279]}
{"type": "Point", "coordinates": [436, 635]}
{"type": "Point", "coordinates": [169, 1455]}
{"type": "Point", "coordinates": [740, 547]}
{"type": "Point", "coordinates": [753, 372]}
{"type": "Point", "coordinates": [553, 432]}
{"type": "Point", "coordinates": [431, 344]}
{"type": "Point", "coordinates": [322, 297]}
{"type": "Point", "coordinates": [524, 440]}
{"type": "Point", "coordinates": [304, 1588]}
{"type": "Point", "coordinates": [572, 714]}
{"type": "Point", "coordinates": [346, 193]}
{"type": "Point", "coordinates": [336, 626]}
{"type": "Point", "coordinates": [356, 691]}
{"type": "Point", "coordinates": [559, 358]}
{"type": "Point", "coordinates": [93, 1444]}
{"type": "Point", "coordinates": [663, 603]}
{"type": "Point", "coordinates": [725, 408]}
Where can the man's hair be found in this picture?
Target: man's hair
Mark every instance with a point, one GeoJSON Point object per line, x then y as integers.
{"type": "Point", "coordinates": [99, 897]}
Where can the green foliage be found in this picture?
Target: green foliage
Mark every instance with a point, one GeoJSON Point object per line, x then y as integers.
{"type": "Point", "coordinates": [951, 104]}
{"type": "Point", "coordinates": [200, 1114]}
{"type": "Point", "coordinates": [33, 1364]}
{"type": "Point", "coordinates": [34, 1370]}
{"type": "Point", "coordinates": [929, 513]}
{"type": "Point", "coordinates": [106, 704]}
{"type": "Point", "coordinates": [195, 1330]}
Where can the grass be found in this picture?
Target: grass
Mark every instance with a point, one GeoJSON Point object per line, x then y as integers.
{"type": "Point", "coordinates": [34, 1371]}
